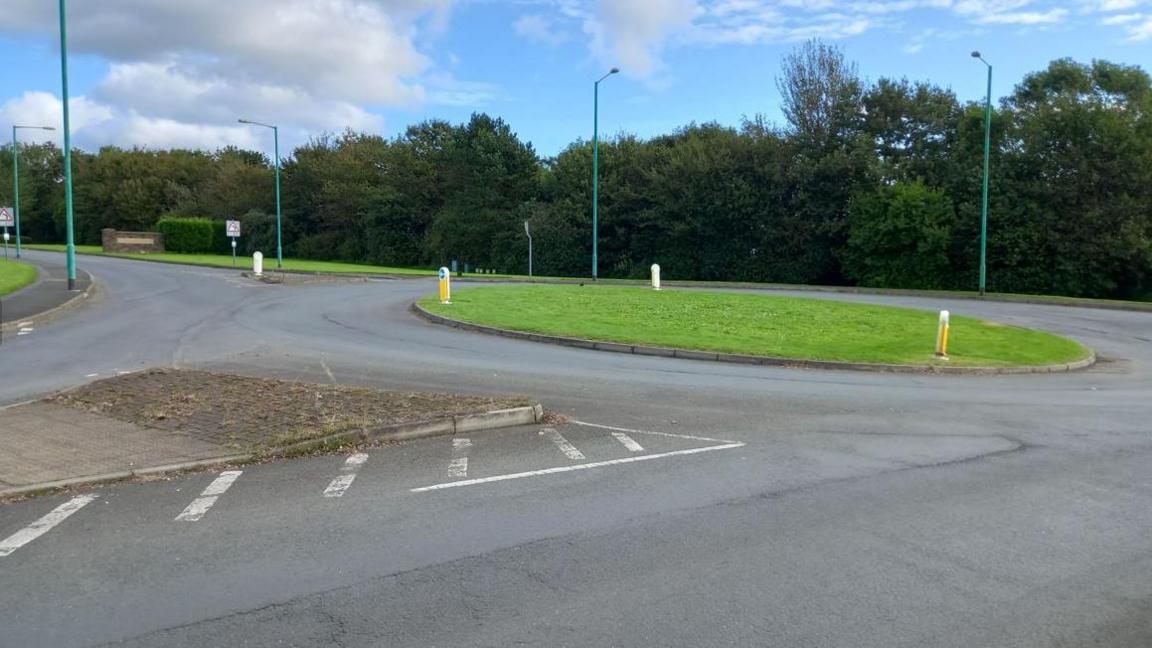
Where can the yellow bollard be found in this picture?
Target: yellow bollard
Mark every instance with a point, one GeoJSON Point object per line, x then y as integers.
{"type": "Point", "coordinates": [445, 286]}
{"type": "Point", "coordinates": [942, 336]}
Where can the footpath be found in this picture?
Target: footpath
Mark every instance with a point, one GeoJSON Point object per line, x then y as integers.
{"type": "Point", "coordinates": [49, 295]}
{"type": "Point", "coordinates": [45, 445]}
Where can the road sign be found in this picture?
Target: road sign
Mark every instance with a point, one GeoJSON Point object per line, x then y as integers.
{"type": "Point", "coordinates": [233, 228]}
{"type": "Point", "coordinates": [7, 217]}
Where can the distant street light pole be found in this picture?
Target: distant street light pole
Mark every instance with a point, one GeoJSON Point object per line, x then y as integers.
{"type": "Point", "coordinates": [528, 233]}
{"type": "Point", "coordinates": [16, 177]}
{"type": "Point", "coordinates": [70, 237]}
{"type": "Point", "coordinates": [987, 158]}
{"type": "Point", "coordinates": [276, 145]}
{"type": "Point", "coordinates": [596, 172]}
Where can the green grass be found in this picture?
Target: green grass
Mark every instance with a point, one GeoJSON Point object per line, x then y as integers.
{"type": "Point", "coordinates": [14, 275]}
{"type": "Point", "coordinates": [225, 261]}
{"type": "Point", "coordinates": [786, 327]}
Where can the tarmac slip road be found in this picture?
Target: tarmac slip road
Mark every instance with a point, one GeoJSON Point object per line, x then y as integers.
{"type": "Point", "coordinates": [534, 519]}
{"type": "Point", "coordinates": [837, 509]}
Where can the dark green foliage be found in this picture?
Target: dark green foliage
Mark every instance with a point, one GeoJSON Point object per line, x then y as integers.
{"type": "Point", "coordinates": [874, 183]}
{"type": "Point", "coordinates": [192, 235]}
{"type": "Point", "coordinates": [900, 237]}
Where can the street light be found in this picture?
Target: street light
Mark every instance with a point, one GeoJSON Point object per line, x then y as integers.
{"type": "Point", "coordinates": [70, 240]}
{"type": "Point", "coordinates": [596, 171]}
{"type": "Point", "coordinates": [528, 233]}
{"type": "Point", "coordinates": [16, 177]}
{"type": "Point", "coordinates": [987, 156]}
{"type": "Point", "coordinates": [276, 140]}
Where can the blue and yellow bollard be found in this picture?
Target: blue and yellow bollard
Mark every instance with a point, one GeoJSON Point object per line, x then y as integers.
{"type": "Point", "coordinates": [445, 286]}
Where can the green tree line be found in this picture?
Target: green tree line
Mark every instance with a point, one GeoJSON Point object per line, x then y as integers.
{"type": "Point", "coordinates": [866, 183]}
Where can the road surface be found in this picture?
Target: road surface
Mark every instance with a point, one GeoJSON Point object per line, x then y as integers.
{"type": "Point", "coordinates": [688, 504]}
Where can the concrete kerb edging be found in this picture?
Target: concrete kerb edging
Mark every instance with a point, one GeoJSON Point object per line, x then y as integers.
{"type": "Point", "coordinates": [436, 427]}
{"type": "Point", "coordinates": [400, 432]}
{"type": "Point", "coordinates": [768, 361]}
{"type": "Point", "coordinates": [76, 300]}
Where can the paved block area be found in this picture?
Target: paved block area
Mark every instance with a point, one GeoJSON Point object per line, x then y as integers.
{"type": "Point", "coordinates": [43, 442]}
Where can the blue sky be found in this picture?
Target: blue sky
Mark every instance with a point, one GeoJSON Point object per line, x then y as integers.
{"type": "Point", "coordinates": [160, 73]}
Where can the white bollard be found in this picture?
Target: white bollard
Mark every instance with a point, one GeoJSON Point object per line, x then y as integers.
{"type": "Point", "coordinates": [258, 264]}
{"type": "Point", "coordinates": [656, 276]}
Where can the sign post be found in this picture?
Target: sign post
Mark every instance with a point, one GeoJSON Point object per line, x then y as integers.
{"type": "Point", "coordinates": [7, 219]}
{"type": "Point", "coordinates": [445, 286]}
{"type": "Point", "coordinates": [656, 276]}
{"type": "Point", "coordinates": [233, 230]}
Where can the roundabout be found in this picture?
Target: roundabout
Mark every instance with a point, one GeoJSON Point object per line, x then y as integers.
{"type": "Point", "coordinates": [753, 329]}
{"type": "Point", "coordinates": [941, 510]}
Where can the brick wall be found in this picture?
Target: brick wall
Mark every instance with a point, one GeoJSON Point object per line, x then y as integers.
{"type": "Point", "coordinates": [114, 241]}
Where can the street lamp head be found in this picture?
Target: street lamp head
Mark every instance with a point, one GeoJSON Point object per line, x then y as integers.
{"type": "Point", "coordinates": [976, 54]}
{"type": "Point", "coordinates": [614, 71]}
{"type": "Point", "coordinates": [244, 121]}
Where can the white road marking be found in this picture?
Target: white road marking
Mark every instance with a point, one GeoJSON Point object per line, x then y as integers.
{"type": "Point", "coordinates": [24, 324]}
{"type": "Point", "coordinates": [200, 505]}
{"type": "Point", "coordinates": [328, 371]}
{"type": "Point", "coordinates": [568, 449]}
{"type": "Point", "coordinates": [459, 465]}
{"type": "Point", "coordinates": [664, 434]}
{"type": "Point", "coordinates": [44, 524]}
{"type": "Point", "coordinates": [92, 375]}
{"type": "Point", "coordinates": [628, 442]}
{"type": "Point", "coordinates": [564, 469]}
{"type": "Point", "coordinates": [341, 483]}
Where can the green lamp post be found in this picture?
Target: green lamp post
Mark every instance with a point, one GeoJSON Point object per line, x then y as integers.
{"type": "Point", "coordinates": [16, 177]}
{"type": "Point", "coordinates": [70, 229]}
{"type": "Point", "coordinates": [987, 158]}
{"type": "Point", "coordinates": [276, 146]}
{"type": "Point", "coordinates": [596, 172]}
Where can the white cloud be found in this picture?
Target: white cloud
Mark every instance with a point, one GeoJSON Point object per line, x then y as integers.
{"type": "Point", "coordinates": [185, 71]}
{"type": "Point", "coordinates": [1024, 17]}
{"type": "Point", "coordinates": [539, 29]}
{"type": "Point", "coordinates": [633, 33]}
{"type": "Point", "coordinates": [1141, 31]}
{"type": "Point", "coordinates": [630, 33]}
{"type": "Point", "coordinates": [43, 109]}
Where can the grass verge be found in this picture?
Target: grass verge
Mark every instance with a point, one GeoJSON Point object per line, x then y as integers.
{"type": "Point", "coordinates": [14, 275]}
{"type": "Point", "coordinates": [225, 261]}
{"type": "Point", "coordinates": [786, 327]}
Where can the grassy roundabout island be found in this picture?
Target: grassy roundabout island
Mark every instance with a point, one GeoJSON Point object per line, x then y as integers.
{"type": "Point", "coordinates": [15, 275]}
{"type": "Point", "coordinates": [753, 324]}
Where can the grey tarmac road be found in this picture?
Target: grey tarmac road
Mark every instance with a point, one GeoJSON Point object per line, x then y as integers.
{"type": "Point", "coordinates": [763, 507]}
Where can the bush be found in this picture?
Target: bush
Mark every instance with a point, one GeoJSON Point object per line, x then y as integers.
{"type": "Point", "coordinates": [221, 244]}
{"type": "Point", "coordinates": [899, 238]}
{"type": "Point", "coordinates": [194, 235]}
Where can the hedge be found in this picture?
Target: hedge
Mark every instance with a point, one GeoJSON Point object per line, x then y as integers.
{"type": "Point", "coordinates": [187, 234]}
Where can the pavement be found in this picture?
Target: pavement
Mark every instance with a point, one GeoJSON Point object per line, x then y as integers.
{"type": "Point", "coordinates": [684, 503]}
{"type": "Point", "coordinates": [43, 442]}
{"type": "Point", "coordinates": [49, 292]}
